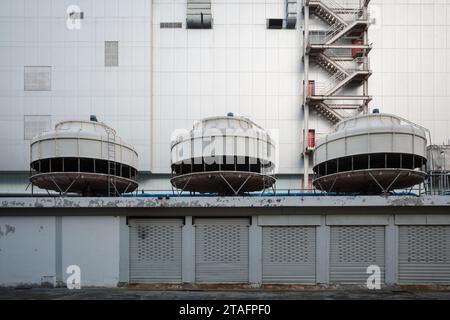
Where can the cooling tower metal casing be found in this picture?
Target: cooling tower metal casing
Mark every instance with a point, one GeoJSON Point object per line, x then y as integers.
{"type": "Point", "coordinates": [371, 154]}
{"type": "Point", "coordinates": [224, 155]}
{"type": "Point", "coordinates": [84, 157]}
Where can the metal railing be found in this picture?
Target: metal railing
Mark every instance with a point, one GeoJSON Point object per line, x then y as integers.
{"type": "Point", "coordinates": [358, 64]}
{"type": "Point", "coordinates": [348, 15]}
{"type": "Point", "coordinates": [323, 36]}
{"type": "Point", "coordinates": [438, 183]}
{"type": "Point", "coordinates": [351, 67]}
{"type": "Point", "coordinates": [417, 190]}
{"type": "Point", "coordinates": [322, 88]}
{"type": "Point", "coordinates": [276, 192]}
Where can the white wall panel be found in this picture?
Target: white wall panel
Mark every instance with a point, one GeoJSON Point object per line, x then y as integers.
{"type": "Point", "coordinates": [237, 66]}
{"type": "Point", "coordinates": [36, 35]}
{"type": "Point", "coordinates": [27, 249]}
{"type": "Point", "coordinates": [411, 38]}
{"type": "Point", "coordinates": [92, 243]}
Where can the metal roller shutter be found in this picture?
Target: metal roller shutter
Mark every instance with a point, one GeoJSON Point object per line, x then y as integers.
{"type": "Point", "coordinates": [155, 250]}
{"type": "Point", "coordinates": [424, 254]}
{"type": "Point", "coordinates": [352, 250]}
{"type": "Point", "coordinates": [289, 254]}
{"type": "Point", "coordinates": [221, 250]}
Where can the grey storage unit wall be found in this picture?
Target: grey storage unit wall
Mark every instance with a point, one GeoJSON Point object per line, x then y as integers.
{"type": "Point", "coordinates": [289, 254]}
{"type": "Point", "coordinates": [424, 254]}
{"type": "Point", "coordinates": [155, 250]}
{"type": "Point", "coordinates": [353, 249]}
{"type": "Point", "coordinates": [221, 250]}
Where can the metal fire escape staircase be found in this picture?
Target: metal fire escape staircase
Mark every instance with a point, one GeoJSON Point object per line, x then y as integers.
{"type": "Point", "coordinates": [345, 24]}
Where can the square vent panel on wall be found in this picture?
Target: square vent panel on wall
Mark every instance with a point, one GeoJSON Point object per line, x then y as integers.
{"type": "Point", "coordinates": [36, 124]}
{"type": "Point", "coordinates": [37, 78]}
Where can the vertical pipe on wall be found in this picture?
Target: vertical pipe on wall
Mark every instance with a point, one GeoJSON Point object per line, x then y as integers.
{"type": "Point", "coordinates": [151, 89]}
{"type": "Point", "coordinates": [366, 58]}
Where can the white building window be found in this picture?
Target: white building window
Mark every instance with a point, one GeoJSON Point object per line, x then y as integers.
{"type": "Point", "coordinates": [37, 78]}
{"type": "Point", "coordinates": [36, 124]}
{"type": "Point", "coordinates": [111, 53]}
{"type": "Point", "coordinates": [199, 14]}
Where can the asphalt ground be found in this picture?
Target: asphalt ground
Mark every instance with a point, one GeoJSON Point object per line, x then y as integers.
{"type": "Point", "coordinates": [145, 294]}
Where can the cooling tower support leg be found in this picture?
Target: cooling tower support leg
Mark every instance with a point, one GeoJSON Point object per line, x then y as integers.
{"type": "Point", "coordinates": [385, 190]}
{"type": "Point", "coordinates": [126, 189]}
{"type": "Point", "coordinates": [57, 186]}
{"type": "Point", "coordinates": [64, 192]}
{"type": "Point", "coordinates": [71, 184]}
{"type": "Point", "coordinates": [332, 186]}
{"type": "Point", "coordinates": [236, 192]}
{"type": "Point", "coordinates": [184, 187]}
{"type": "Point", "coordinates": [320, 186]}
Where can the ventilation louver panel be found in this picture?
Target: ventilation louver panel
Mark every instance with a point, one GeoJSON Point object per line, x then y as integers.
{"type": "Point", "coordinates": [36, 124]}
{"type": "Point", "coordinates": [155, 250]}
{"type": "Point", "coordinates": [170, 25]}
{"type": "Point", "coordinates": [353, 249]}
{"type": "Point", "coordinates": [289, 254]}
{"type": "Point", "coordinates": [111, 53]}
{"type": "Point", "coordinates": [37, 78]}
{"type": "Point", "coordinates": [424, 254]}
{"type": "Point", "coordinates": [221, 250]}
{"type": "Point", "coordinates": [199, 14]}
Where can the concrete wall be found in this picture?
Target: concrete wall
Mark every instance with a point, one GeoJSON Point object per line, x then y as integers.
{"type": "Point", "coordinates": [39, 249]}
{"type": "Point", "coordinates": [93, 244]}
{"type": "Point", "coordinates": [27, 249]}
{"type": "Point", "coordinates": [34, 250]}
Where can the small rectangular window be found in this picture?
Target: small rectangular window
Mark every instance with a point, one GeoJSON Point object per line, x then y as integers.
{"type": "Point", "coordinates": [111, 53]}
{"type": "Point", "coordinates": [37, 78]}
{"type": "Point", "coordinates": [36, 124]}
{"type": "Point", "coordinates": [274, 23]}
{"type": "Point", "coordinates": [167, 25]}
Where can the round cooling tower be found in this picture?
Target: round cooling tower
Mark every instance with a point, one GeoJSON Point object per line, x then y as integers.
{"type": "Point", "coordinates": [225, 155]}
{"type": "Point", "coordinates": [84, 157]}
{"type": "Point", "coordinates": [371, 154]}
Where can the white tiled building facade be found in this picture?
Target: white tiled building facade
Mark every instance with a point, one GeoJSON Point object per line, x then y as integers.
{"type": "Point", "coordinates": [146, 81]}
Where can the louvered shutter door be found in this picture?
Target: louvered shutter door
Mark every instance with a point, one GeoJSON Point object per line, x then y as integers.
{"type": "Point", "coordinates": [221, 250]}
{"type": "Point", "coordinates": [424, 254]}
{"type": "Point", "coordinates": [352, 250]}
{"type": "Point", "coordinates": [155, 250]}
{"type": "Point", "coordinates": [289, 254]}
